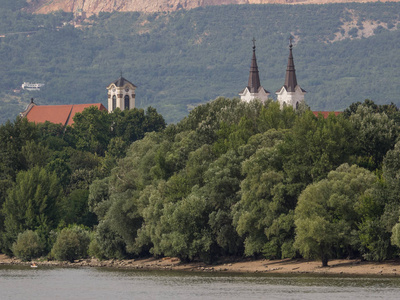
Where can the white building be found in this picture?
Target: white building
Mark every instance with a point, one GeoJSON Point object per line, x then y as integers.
{"type": "Point", "coordinates": [32, 86]}
{"type": "Point", "coordinates": [121, 94]}
{"type": "Point", "coordinates": [254, 90]}
{"type": "Point", "coordinates": [290, 94]}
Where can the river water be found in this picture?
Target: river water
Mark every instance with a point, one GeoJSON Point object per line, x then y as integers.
{"type": "Point", "coordinates": [21, 282]}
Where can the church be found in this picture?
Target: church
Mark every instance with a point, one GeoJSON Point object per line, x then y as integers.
{"type": "Point", "coordinates": [290, 94]}
{"type": "Point", "coordinates": [121, 94]}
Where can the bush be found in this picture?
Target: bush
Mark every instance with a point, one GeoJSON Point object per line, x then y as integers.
{"type": "Point", "coordinates": [95, 250]}
{"type": "Point", "coordinates": [72, 243]}
{"type": "Point", "coordinates": [28, 245]}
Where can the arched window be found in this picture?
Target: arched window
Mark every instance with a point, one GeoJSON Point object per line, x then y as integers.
{"type": "Point", "coordinates": [297, 105]}
{"type": "Point", "coordinates": [114, 102]}
{"type": "Point", "coordinates": [126, 101]}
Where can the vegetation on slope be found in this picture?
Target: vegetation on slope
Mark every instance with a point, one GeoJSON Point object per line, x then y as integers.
{"type": "Point", "coordinates": [181, 59]}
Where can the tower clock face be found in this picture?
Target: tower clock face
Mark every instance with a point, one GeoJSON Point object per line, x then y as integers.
{"type": "Point", "coordinates": [113, 90]}
{"type": "Point", "coordinates": [126, 90]}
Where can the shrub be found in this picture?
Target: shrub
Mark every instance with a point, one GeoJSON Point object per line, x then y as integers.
{"type": "Point", "coordinates": [72, 243]}
{"type": "Point", "coordinates": [95, 250]}
{"type": "Point", "coordinates": [28, 245]}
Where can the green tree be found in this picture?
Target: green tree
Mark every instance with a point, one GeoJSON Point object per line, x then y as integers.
{"type": "Point", "coordinates": [71, 243]}
{"type": "Point", "coordinates": [35, 154]}
{"type": "Point", "coordinates": [316, 146]}
{"type": "Point", "coordinates": [376, 134]}
{"type": "Point", "coordinates": [75, 210]}
{"type": "Point", "coordinates": [28, 245]}
{"type": "Point", "coordinates": [32, 202]}
{"type": "Point", "coordinates": [260, 205]}
{"type": "Point", "coordinates": [326, 216]}
{"type": "Point", "coordinates": [92, 130]}
{"type": "Point", "coordinates": [387, 218]}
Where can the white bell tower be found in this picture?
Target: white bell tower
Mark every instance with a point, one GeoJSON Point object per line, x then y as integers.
{"type": "Point", "coordinates": [121, 94]}
{"type": "Point", "coordinates": [290, 94]}
{"type": "Point", "coordinates": [254, 90]}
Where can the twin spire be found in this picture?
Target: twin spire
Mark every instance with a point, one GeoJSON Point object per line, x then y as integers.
{"type": "Point", "coordinates": [290, 79]}
{"type": "Point", "coordinates": [254, 78]}
{"type": "Point", "coordinates": [254, 90]}
{"type": "Point", "coordinates": [289, 94]}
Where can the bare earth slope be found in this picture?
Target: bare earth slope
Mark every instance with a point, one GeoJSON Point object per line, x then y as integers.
{"type": "Point", "coordinates": [95, 6]}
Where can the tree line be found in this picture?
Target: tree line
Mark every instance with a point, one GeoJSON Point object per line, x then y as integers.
{"type": "Point", "coordinates": [230, 179]}
{"type": "Point", "coordinates": [46, 171]}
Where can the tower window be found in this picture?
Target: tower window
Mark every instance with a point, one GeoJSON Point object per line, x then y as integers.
{"type": "Point", "coordinates": [126, 98]}
{"type": "Point", "coordinates": [114, 102]}
{"type": "Point", "coordinates": [297, 105]}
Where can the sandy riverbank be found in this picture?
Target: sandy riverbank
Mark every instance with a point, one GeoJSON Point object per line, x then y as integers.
{"type": "Point", "coordinates": [288, 266]}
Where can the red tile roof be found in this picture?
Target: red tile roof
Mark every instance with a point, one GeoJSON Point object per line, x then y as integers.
{"type": "Point", "coordinates": [325, 114]}
{"type": "Point", "coordinates": [58, 113]}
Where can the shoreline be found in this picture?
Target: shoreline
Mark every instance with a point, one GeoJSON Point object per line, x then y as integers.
{"type": "Point", "coordinates": [238, 265]}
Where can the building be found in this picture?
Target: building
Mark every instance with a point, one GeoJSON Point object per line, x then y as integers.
{"type": "Point", "coordinates": [254, 90]}
{"type": "Point", "coordinates": [121, 94]}
{"type": "Point", "coordinates": [290, 94]}
{"type": "Point", "coordinates": [57, 114]}
{"type": "Point", "coordinates": [32, 86]}
{"type": "Point", "coordinates": [325, 114]}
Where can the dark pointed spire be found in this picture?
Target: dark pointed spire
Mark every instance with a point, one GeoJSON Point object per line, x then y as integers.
{"type": "Point", "coordinates": [290, 80]}
{"type": "Point", "coordinates": [254, 78]}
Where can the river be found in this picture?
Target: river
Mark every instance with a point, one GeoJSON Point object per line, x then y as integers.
{"type": "Point", "coordinates": [22, 282]}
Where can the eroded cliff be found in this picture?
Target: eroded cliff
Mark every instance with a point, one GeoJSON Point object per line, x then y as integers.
{"type": "Point", "coordinates": [95, 6]}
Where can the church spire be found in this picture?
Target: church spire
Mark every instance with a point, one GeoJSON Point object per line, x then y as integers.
{"type": "Point", "coordinates": [254, 90]}
{"type": "Point", "coordinates": [254, 78]}
{"type": "Point", "coordinates": [290, 80]}
{"type": "Point", "coordinates": [290, 94]}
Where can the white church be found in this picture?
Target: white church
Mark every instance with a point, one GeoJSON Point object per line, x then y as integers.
{"type": "Point", "coordinates": [290, 94]}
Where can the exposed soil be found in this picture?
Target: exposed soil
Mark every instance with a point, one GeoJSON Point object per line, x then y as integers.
{"type": "Point", "coordinates": [90, 7]}
{"type": "Point", "coordinates": [240, 265]}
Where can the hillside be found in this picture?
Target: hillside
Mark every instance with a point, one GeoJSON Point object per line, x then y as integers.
{"type": "Point", "coordinates": [343, 53]}
{"type": "Point", "coordinates": [95, 6]}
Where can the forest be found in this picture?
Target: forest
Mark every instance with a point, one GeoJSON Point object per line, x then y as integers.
{"type": "Point", "coordinates": [182, 59]}
{"type": "Point", "coordinates": [230, 179]}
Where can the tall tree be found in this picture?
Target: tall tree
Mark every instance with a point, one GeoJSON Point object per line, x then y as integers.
{"type": "Point", "coordinates": [326, 216]}
{"type": "Point", "coordinates": [32, 203]}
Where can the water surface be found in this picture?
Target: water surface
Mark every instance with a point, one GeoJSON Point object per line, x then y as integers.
{"type": "Point", "coordinates": [21, 282]}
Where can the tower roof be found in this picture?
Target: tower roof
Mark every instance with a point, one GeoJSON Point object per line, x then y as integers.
{"type": "Point", "coordinates": [290, 79]}
{"type": "Point", "coordinates": [121, 81]}
{"type": "Point", "coordinates": [254, 78]}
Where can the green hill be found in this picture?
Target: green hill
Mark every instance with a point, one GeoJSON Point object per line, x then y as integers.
{"type": "Point", "coordinates": [343, 53]}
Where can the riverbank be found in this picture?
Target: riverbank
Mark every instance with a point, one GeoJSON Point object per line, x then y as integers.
{"type": "Point", "coordinates": [240, 265]}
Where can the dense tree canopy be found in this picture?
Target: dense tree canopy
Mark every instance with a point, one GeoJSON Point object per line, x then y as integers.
{"type": "Point", "coordinates": [328, 213]}
{"type": "Point", "coordinates": [46, 170]}
{"type": "Point", "coordinates": [232, 178]}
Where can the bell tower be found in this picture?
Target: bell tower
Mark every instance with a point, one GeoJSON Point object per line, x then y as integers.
{"type": "Point", "coordinates": [290, 94]}
{"type": "Point", "coordinates": [121, 94]}
{"type": "Point", "coordinates": [254, 90]}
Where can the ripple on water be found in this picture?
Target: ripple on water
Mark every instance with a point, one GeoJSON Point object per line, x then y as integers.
{"type": "Point", "coordinates": [22, 282]}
